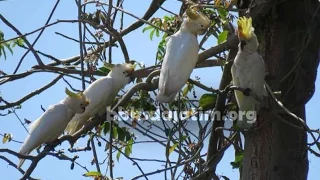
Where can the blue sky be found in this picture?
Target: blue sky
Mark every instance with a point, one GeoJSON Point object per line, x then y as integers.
{"type": "Point", "coordinates": [30, 15]}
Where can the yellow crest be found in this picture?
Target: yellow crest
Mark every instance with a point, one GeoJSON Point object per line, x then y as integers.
{"type": "Point", "coordinates": [130, 67]}
{"type": "Point", "coordinates": [76, 95]}
{"type": "Point", "coordinates": [192, 12]}
{"type": "Point", "coordinates": [245, 28]}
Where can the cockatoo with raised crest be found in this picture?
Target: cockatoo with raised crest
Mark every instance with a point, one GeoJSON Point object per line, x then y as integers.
{"type": "Point", "coordinates": [248, 72]}
{"type": "Point", "coordinates": [101, 94]}
{"type": "Point", "coordinates": [51, 124]}
{"type": "Point", "coordinates": [181, 54]}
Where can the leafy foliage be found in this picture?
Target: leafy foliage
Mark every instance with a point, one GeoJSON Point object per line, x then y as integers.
{"type": "Point", "coordinates": [207, 101]}
{"type": "Point", "coordinates": [168, 23]}
{"type": "Point", "coordinates": [122, 136]}
{"type": "Point", "coordinates": [237, 163]}
{"type": "Point", "coordinates": [8, 45]}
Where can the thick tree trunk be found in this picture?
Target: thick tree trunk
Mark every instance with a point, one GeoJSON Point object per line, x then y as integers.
{"type": "Point", "coordinates": [290, 35]}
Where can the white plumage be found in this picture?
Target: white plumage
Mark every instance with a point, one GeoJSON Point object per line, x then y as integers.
{"type": "Point", "coordinates": [181, 55]}
{"type": "Point", "coordinates": [248, 72]}
{"type": "Point", "coordinates": [101, 94]}
{"type": "Point", "coordinates": [51, 124]}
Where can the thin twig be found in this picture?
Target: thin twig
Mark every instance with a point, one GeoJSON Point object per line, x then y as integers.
{"type": "Point", "coordinates": [38, 91]}
{"type": "Point", "coordinates": [24, 39]}
{"type": "Point", "coordinates": [95, 155]}
{"type": "Point", "coordinates": [37, 38]}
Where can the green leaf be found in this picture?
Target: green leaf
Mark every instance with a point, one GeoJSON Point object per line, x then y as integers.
{"type": "Point", "coordinates": [238, 160]}
{"type": "Point", "coordinates": [118, 154]}
{"type": "Point", "coordinates": [222, 37]}
{"type": "Point", "coordinates": [8, 47]}
{"type": "Point", "coordinates": [4, 53]}
{"type": "Point", "coordinates": [147, 28]}
{"type": "Point", "coordinates": [1, 35]}
{"type": "Point", "coordinates": [161, 49]}
{"type": "Point", "coordinates": [106, 127]}
{"type": "Point", "coordinates": [104, 70]}
{"type": "Point", "coordinates": [151, 34]}
{"type": "Point", "coordinates": [173, 147]}
{"type": "Point", "coordinates": [183, 138]}
{"type": "Point", "coordinates": [207, 101]}
{"type": "Point", "coordinates": [18, 42]}
{"type": "Point", "coordinates": [223, 13]}
{"type": "Point", "coordinates": [128, 149]}
{"type": "Point", "coordinates": [121, 134]}
{"type": "Point", "coordinates": [187, 89]}
{"type": "Point", "coordinates": [157, 33]}
{"type": "Point", "coordinates": [92, 174]}
{"type": "Point", "coordinates": [115, 132]}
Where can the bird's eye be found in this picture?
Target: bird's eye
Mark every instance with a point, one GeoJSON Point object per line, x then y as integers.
{"type": "Point", "coordinates": [242, 44]}
{"type": "Point", "coordinates": [124, 72]}
{"type": "Point", "coordinates": [201, 25]}
{"type": "Point", "coordinates": [81, 104]}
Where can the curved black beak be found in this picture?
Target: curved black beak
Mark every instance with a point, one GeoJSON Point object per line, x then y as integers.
{"type": "Point", "coordinates": [132, 78]}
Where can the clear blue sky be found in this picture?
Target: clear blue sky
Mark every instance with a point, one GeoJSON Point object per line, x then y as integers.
{"type": "Point", "coordinates": [30, 15]}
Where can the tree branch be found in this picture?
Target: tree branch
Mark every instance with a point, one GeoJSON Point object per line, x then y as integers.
{"type": "Point", "coordinates": [38, 91]}
{"type": "Point", "coordinates": [24, 39]}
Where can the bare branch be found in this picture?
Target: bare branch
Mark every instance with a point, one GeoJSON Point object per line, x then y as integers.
{"type": "Point", "coordinates": [38, 91]}
{"type": "Point", "coordinates": [15, 166]}
{"type": "Point", "coordinates": [37, 38]}
{"type": "Point", "coordinates": [24, 39]}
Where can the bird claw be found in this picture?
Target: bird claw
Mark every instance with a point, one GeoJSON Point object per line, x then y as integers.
{"type": "Point", "coordinates": [247, 91]}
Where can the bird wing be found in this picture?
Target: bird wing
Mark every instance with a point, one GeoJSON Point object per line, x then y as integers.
{"type": "Point", "coordinates": [258, 71]}
{"type": "Point", "coordinates": [100, 94]}
{"type": "Point", "coordinates": [48, 127]}
{"type": "Point", "coordinates": [179, 61]}
{"type": "Point", "coordinates": [249, 75]}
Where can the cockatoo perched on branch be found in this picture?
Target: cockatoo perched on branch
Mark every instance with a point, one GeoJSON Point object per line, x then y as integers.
{"type": "Point", "coordinates": [101, 94]}
{"type": "Point", "coordinates": [248, 72]}
{"type": "Point", "coordinates": [51, 124]}
{"type": "Point", "coordinates": [181, 54]}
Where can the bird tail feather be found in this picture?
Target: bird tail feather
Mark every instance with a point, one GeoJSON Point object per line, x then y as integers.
{"type": "Point", "coordinates": [23, 151]}
{"type": "Point", "coordinates": [73, 126]}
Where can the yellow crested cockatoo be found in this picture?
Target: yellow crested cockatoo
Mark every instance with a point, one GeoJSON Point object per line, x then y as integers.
{"type": "Point", "coordinates": [101, 94]}
{"type": "Point", "coordinates": [181, 54]}
{"type": "Point", "coordinates": [248, 72]}
{"type": "Point", "coordinates": [51, 124]}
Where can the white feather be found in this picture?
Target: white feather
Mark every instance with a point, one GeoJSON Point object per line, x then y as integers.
{"type": "Point", "coordinates": [46, 128]}
{"type": "Point", "coordinates": [180, 59]}
{"type": "Point", "coordinates": [181, 55]}
{"type": "Point", "coordinates": [101, 94]}
{"type": "Point", "coordinates": [248, 71]}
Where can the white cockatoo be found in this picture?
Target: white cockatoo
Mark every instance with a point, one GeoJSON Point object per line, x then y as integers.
{"type": "Point", "coordinates": [248, 72]}
{"type": "Point", "coordinates": [181, 54]}
{"type": "Point", "coordinates": [51, 124]}
{"type": "Point", "coordinates": [101, 94]}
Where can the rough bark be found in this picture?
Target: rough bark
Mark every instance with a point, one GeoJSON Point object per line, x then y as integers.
{"type": "Point", "coordinates": [290, 37]}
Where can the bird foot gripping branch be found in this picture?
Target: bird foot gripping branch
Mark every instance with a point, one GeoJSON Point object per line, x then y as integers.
{"type": "Point", "coordinates": [248, 72]}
